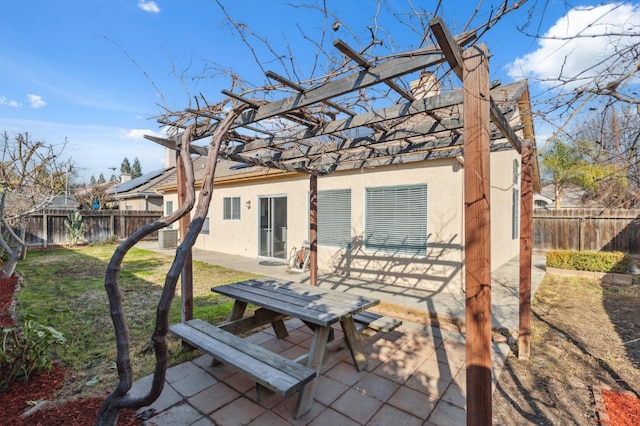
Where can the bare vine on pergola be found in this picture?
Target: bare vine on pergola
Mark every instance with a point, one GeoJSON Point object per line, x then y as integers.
{"type": "Point", "coordinates": [325, 124]}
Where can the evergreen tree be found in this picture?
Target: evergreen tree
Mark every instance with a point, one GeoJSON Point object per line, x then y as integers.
{"type": "Point", "coordinates": [136, 169]}
{"type": "Point", "coordinates": [125, 167]}
{"type": "Point", "coordinates": [572, 163]}
{"type": "Point", "coordinates": [101, 178]}
{"type": "Point", "coordinates": [93, 180]}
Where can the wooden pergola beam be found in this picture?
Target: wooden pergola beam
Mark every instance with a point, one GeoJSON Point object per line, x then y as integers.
{"type": "Point", "coordinates": [477, 214]}
{"type": "Point", "coordinates": [358, 59]}
{"type": "Point", "coordinates": [313, 230]}
{"type": "Point", "coordinates": [428, 128]}
{"type": "Point", "coordinates": [526, 250]}
{"type": "Point", "coordinates": [453, 53]}
{"type": "Point", "coordinates": [392, 68]}
{"type": "Point", "coordinates": [186, 276]}
{"type": "Point", "coordinates": [369, 119]}
{"type": "Point", "coordinates": [399, 111]}
{"type": "Point", "coordinates": [171, 144]}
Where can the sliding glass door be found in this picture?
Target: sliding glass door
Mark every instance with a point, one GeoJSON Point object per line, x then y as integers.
{"type": "Point", "coordinates": [273, 227]}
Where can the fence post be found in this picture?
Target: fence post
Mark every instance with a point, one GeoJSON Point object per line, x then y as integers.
{"type": "Point", "coordinates": [45, 232]}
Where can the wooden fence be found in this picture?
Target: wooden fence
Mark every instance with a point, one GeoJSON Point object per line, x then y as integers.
{"type": "Point", "coordinates": [587, 229]}
{"type": "Point", "coordinates": [47, 227]}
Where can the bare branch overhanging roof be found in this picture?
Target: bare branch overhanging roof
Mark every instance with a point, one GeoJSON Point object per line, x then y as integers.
{"type": "Point", "coordinates": [316, 131]}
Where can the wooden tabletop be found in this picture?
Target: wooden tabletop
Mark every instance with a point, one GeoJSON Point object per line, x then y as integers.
{"type": "Point", "coordinates": [313, 304]}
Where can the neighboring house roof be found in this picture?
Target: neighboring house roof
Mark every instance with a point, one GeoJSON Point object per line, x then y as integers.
{"type": "Point", "coordinates": [64, 201]}
{"type": "Point", "coordinates": [572, 197]}
{"type": "Point", "coordinates": [542, 200]}
{"type": "Point", "coordinates": [16, 203]}
{"type": "Point", "coordinates": [140, 186]}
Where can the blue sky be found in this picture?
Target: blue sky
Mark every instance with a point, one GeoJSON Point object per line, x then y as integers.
{"type": "Point", "coordinates": [97, 72]}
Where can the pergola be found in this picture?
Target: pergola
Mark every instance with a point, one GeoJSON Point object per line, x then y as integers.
{"type": "Point", "coordinates": [469, 122]}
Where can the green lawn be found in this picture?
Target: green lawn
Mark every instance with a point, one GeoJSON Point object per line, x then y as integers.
{"type": "Point", "coordinates": [64, 288]}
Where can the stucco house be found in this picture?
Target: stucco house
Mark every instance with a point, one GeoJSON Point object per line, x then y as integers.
{"type": "Point", "coordinates": [398, 223]}
{"type": "Point", "coordinates": [139, 193]}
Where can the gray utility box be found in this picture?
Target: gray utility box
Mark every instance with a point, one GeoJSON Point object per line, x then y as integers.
{"type": "Point", "coordinates": [168, 239]}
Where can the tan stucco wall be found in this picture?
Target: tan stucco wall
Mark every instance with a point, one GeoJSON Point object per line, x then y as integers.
{"type": "Point", "coordinates": [442, 268]}
{"type": "Point", "coordinates": [241, 236]}
{"type": "Point", "coordinates": [149, 204]}
{"type": "Point", "coordinates": [503, 246]}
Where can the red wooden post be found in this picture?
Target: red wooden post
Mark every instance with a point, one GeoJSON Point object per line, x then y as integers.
{"type": "Point", "coordinates": [186, 288]}
{"type": "Point", "coordinates": [526, 249]}
{"type": "Point", "coordinates": [477, 234]}
{"type": "Point", "coordinates": [313, 230]}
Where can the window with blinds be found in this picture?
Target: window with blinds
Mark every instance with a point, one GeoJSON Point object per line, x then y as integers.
{"type": "Point", "coordinates": [231, 208]}
{"type": "Point", "coordinates": [334, 218]}
{"type": "Point", "coordinates": [396, 219]}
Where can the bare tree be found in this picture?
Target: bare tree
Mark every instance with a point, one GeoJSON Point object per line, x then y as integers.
{"type": "Point", "coordinates": [608, 74]}
{"type": "Point", "coordinates": [613, 136]}
{"type": "Point", "coordinates": [32, 174]}
{"type": "Point", "coordinates": [94, 197]}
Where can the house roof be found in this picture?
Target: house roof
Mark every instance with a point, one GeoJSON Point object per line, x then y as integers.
{"type": "Point", "coordinates": [140, 186]}
{"type": "Point", "coordinates": [226, 171]}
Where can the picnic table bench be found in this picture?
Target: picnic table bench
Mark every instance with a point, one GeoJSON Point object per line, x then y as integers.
{"type": "Point", "coordinates": [318, 308]}
{"type": "Point", "coordinates": [268, 369]}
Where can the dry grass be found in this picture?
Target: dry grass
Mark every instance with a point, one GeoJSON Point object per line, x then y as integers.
{"type": "Point", "coordinates": [583, 335]}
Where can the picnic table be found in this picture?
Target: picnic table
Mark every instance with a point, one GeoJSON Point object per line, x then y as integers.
{"type": "Point", "coordinates": [318, 308]}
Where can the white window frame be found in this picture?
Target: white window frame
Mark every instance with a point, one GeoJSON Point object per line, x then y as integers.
{"type": "Point", "coordinates": [231, 208]}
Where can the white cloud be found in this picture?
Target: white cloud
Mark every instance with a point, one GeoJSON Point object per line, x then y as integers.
{"type": "Point", "coordinates": [93, 148]}
{"type": "Point", "coordinates": [138, 134]}
{"type": "Point", "coordinates": [9, 102]}
{"type": "Point", "coordinates": [36, 101]}
{"type": "Point", "coordinates": [568, 51]}
{"type": "Point", "coordinates": [149, 6]}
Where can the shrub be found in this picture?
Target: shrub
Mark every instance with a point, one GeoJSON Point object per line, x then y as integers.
{"type": "Point", "coordinates": [113, 239]}
{"type": "Point", "coordinates": [75, 224]}
{"type": "Point", "coordinates": [25, 350]}
{"type": "Point", "coordinates": [616, 262]}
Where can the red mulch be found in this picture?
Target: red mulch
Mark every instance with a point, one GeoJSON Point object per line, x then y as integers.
{"type": "Point", "coordinates": [78, 412]}
{"type": "Point", "coordinates": [7, 287]}
{"type": "Point", "coordinates": [623, 408]}
{"type": "Point", "coordinates": [14, 401]}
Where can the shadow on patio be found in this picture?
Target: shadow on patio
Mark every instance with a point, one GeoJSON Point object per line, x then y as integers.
{"type": "Point", "coordinates": [415, 374]}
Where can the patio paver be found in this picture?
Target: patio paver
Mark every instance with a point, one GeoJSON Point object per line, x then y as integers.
{"type": "Point", "coordinates": [416, 373]}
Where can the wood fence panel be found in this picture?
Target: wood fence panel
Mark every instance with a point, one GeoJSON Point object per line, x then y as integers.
{"type": "Point", "coordinates": [587, 229]}
{"type": "Point", "coordinates": [47, 227]}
